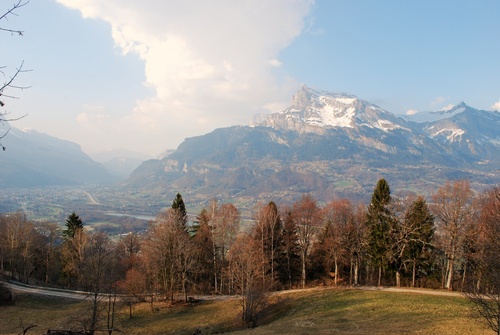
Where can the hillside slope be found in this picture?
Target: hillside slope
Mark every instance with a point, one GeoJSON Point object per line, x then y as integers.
{"type": "Point", "coordinates": [330, 145]}
{"type": "Point", "coordinates": [33, 159]}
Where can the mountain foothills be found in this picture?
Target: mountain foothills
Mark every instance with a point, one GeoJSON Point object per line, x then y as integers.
{"type": "Point", "coordinates": [33, 159]}
{"type": "Point", "coordinates": [328, 144]}
{"type": "Point", "coordinates": [331, 145]}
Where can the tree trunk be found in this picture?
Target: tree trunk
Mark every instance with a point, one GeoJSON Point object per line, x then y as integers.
{"type": "Point", "coordinates": [172, 290]}
{"type": "Point", "coordinates": [214, 251]}
{"type": "Point", "coordinates": [95, 305]}
{"type": "Point", "coordinates": [303, 269]}
{"type": "Point", "coordinates": [414, 274]}
{"type": "Point", "coordinates": [289, 266]}
{"type": "Point", "coordinates": [47, 267]}
{"type": "Point", "coordinates": [398, 278]}
{"type": "Point", "coordinates": [449, 275]}
{"type": "Point", "coordinates": [380, 275]}
{"type": "Point", "coordinates": [478, 283]}
{"type": "Point", "coordinates": [463, 277]}
{"type": "Point", "coordinates": [351, 266]}
{"type": "Point", "coordinates": [272, 256]}
{"type": "Point", "coordinates": [336, 272]}
{"type": "Point", "coordinates": [111, 312]}
{"type": "Point", "coordinates": [356, 272]}
{"type": "Point", "coordinates": [184, 291]}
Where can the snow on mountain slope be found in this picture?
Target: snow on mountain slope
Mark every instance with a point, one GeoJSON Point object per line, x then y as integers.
{"type": "Point", "coordinates": [325, 141]}
{"type": "Point", "coordinates": [314, 110]}
{"type": "Point", "coordinates": [431, 116]}
{"type": "Point", "coordinates": [467, 131]}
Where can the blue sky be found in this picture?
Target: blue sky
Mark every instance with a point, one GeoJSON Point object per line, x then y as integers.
{"type": "Point", "coordinates": [144, 75]}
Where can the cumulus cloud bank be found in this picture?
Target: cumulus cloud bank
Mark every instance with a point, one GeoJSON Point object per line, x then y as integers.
{"type": "Point", "coordinates": [496, 106]}
{"type": "Point", "coordinates": [210, 63]}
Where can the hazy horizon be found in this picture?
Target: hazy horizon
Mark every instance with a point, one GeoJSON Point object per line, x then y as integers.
{"type": "Point", "coordinates": [145, 76]}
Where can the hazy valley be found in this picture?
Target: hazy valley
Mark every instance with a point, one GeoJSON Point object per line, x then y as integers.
{"type": "Point", "coordinates": [329, 145]}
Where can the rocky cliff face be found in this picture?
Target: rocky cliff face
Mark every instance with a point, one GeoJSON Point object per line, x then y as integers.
{"type": "Point", "coordinates": [331, 145]}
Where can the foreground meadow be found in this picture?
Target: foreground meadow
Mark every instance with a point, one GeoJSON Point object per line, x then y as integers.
{"type": "Point", "coordinates": [314, 311]}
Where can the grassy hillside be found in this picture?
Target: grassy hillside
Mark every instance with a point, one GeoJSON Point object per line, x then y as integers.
{"type": "Point", "coordinates": [315, 311]}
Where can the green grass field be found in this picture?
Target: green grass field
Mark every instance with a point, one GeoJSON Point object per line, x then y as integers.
{"type": "Point", "coordinates": [315, 311]}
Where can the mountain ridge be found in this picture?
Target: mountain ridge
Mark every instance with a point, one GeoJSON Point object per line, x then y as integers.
{"type": "Point", "coordinates": [34, 159]}
{"type": "Point", "coordinates": [332, 144]}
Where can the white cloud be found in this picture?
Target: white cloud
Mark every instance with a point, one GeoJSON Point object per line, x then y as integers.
{"type": "Point", "coordinates": [93, 118]}
{"type": "Point", "coordinates": [275, 62]}
{"type": "Point", "coordinates": [411, 112]}
{"type": "Point", "coordinates": [438, 101]}
{"type": "Point", "coordinates": [447, 107]}
{"type": "Point", "coordinates": [496, 106]}
{"type": "Point", "coordinates": [82, 118]}
{"type": "Point", "coordinates": [209, 62]}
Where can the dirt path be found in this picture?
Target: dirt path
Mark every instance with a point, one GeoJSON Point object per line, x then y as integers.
{"type": "Point", "coordinates": [82, 295]}
{"type": "Point", "coordinates": [412, 290]}
{"type": "Point", "coordinates": [375, 288]}
{"type": "Point", "coordinates": [46, 291]}
{"type": "Point", "coordinates": [78, 295]}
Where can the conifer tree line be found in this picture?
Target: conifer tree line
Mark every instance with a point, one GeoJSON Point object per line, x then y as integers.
{"type": "Point", "coordinates": [450, 241]}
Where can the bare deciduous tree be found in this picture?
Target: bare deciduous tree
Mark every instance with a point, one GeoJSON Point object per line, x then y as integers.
{"type": "Point", "coordinates": [97, 276]}
{"type": "Point", "coordinates": [9, 81]}
{"type": "Point", "coordinates": [224, 225]}
{"type": "Point", "coordinates": [353, 239]}
{"type": "Point", "coordinates": [18, 241]}
{"type": "Point", "coordinates": [73, 257]}
{"type": "Point", "coordinates": [268, 232]}
{"type": "Point", "coordinates": [246, 270]}
{"type": "Point", "coordinates": [485, 294]}
{"type": "Point", "coordinates": [50, 236]}
{"type": "Point", "coordinates": [168, 247]}
{"type": "Point", "coordinates": [307, 216]}
{"type": "Point", "coordinates": [453, 209]}
{"type": "Point", "coordinates": [129, 247]}
{"type": "Point", "coordinates": [135, 286]}
{"type": "Point", "coordinates": [338, 216]}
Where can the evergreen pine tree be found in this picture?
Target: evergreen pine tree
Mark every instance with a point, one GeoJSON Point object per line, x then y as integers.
{"type": "Point", "coordinates": [178, 205]}
{"type": "Point", "coordinates": [420, 223]}
{"type": "Point", "coordinates": [378, 222]}
{"type": "Point", "coordinates": [73, 224]}
{"type": "Point", "coordinates": [289, 258]}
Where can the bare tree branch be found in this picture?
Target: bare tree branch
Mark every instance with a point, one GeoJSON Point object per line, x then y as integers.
{"type": "Point", "coordinates": [3, 119]}
{"type": "Point", "coordinates": [11, 12]}
{"type": "Point", "coordinates": [9, 82]}
{"type": "Point", "coordinates": [25, 328]}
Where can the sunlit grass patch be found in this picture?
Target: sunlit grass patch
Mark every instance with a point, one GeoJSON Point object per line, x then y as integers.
{"type": "Point", "coordinates": [314, 311]}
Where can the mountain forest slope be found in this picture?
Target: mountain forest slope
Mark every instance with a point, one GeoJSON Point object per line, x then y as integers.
{"type": "Point", "coordinates": [33, 159]}
{"type": "Point", "coordinates": [331, 145]}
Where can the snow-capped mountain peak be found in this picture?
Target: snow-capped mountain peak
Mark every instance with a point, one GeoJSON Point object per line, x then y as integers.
{"type": "Point", "coordinates": [430, 116]}
{"type": "Point", "coordinates": [313, 110]}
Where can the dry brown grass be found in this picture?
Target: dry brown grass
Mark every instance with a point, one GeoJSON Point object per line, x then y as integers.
{"type": "Point", "coordinates": [316, 311]}
{"type": "Point", "coordinates": [330, 311]}
{"type": "Point", "coordinates": [45, 312]}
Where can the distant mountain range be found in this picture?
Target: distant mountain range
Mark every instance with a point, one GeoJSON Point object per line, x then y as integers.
{"type": "Point", "coordinates": [331, 145]}
{"type": "Point", "coordinates": [33, 159]}
{"type": "Point", "coordinates": [328, 144]}
{"type": "Point", "coordinates": [119, 162]}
